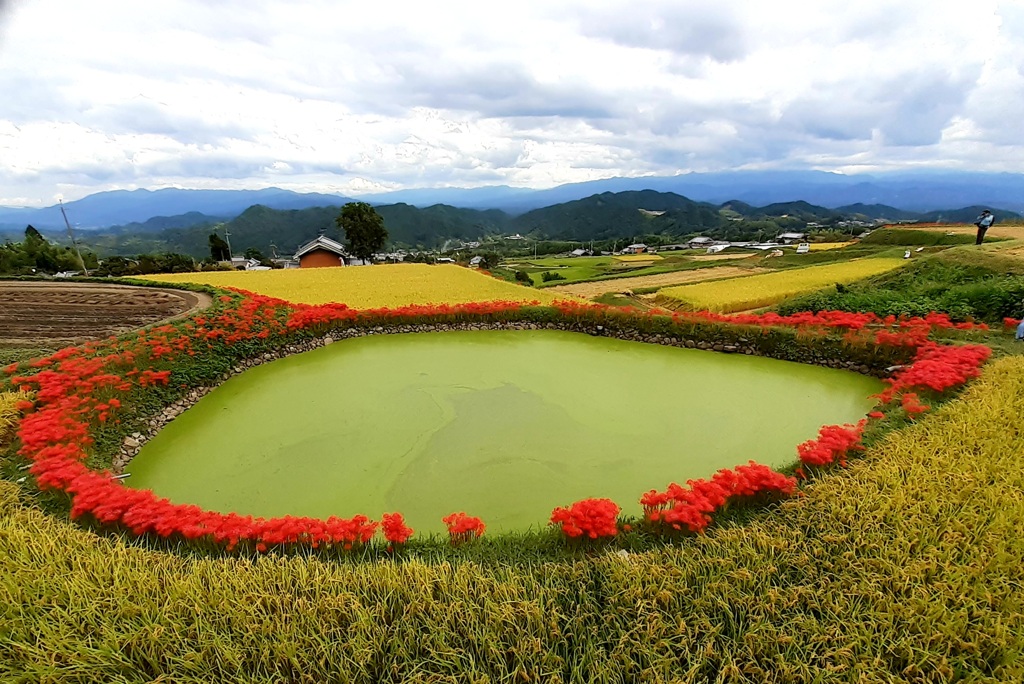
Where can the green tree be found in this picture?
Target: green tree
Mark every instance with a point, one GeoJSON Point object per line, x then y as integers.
{"type": "Point", "coordinates": [219, 250]}
{"type": "Point", "coordinates": [364, 229]}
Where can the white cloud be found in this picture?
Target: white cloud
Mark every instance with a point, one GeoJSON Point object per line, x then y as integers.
{"type": "Point", "coordinates": [345, 96]}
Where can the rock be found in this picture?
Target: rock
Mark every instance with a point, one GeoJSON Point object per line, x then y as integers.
{"type": "Point", "coordinates": [328, 340]}
{"type": "Point", "coordinates": [131, 443]}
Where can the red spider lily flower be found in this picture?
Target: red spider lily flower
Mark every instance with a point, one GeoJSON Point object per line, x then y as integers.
{"type": "Point", "coordinates": [462, 527]}
{"type": "Point", "coordinates": [592, 518]}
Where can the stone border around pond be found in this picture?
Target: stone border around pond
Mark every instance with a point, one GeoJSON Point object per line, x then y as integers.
{"type": "Point", "coordinates": [133, 443]}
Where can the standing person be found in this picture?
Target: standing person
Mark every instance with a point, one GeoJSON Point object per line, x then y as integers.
{"type": "Point", "coordinates": [983, 222]}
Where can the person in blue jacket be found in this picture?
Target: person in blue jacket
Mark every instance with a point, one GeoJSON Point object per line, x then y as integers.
{"type": "Point", "coordinates": [984, 222]}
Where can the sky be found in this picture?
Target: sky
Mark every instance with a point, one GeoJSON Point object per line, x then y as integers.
{"type": "Point", "coordinates": [352, 98]}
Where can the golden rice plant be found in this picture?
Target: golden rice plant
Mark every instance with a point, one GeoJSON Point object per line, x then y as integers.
{"type": "Point", "coordinates": [10, 413]}
{"type": "Point", "coordinates": [367, 287]}
{"type": "Point", "coordinates": [751, 292]}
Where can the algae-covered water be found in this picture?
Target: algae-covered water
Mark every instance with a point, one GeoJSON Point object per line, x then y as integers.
{"type": "Point", "coordinates": [504, 425]}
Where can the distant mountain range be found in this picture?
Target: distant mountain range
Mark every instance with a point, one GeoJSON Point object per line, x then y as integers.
{"type": "Point", "coordinates": [910, 191]}
{"type": "Point", "coordinates": [118, 207]}
{"type": "Point", "coordinates": [919, 191]}
{"type": "Point", "coordinates": [624, 216]}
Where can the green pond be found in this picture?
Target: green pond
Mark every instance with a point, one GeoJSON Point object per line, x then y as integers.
{"type": "Point", "coordinates": [504, 425]}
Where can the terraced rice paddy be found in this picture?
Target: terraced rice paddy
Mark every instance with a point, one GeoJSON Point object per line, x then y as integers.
{"type": "Point", "coordinates": [597, 288]}
{"type": "Point", "coordinates": [741, 294]}
{"type": "Point", "coordinates": [364, 287]}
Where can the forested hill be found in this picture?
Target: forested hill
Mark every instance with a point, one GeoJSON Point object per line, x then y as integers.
{"type": "Point", "coordinates": [606, 216]}
{"type": "Point", "coordinates": [620, 215]}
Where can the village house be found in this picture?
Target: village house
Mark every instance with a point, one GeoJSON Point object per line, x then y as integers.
{"type": "Point", "coordinates": [320, 253]}
{"type": "Point", "coordinates": [790, 238]}
{"type": "Point", "coordinates": [700, 242]}
{"type": "Point", "coordinates": [638, 248]}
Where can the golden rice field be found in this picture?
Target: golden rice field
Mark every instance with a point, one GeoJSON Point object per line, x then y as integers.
{"type": "Point", "coordinates": [751, 292]}
{"type": "Point", "coordinates": [905, 567]}
{"type": "Point", "coordinates": [821, 246]}
{"type": "Point", "coordinates": [366, 287]}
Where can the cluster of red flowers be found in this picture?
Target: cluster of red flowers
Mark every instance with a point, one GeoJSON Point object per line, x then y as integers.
{"type": "Point", "coordinates": [396, 532]}
{"type": "Point", "coordinates": [833, 319]}
{"type": "Point", "coordinates": [833, 445]}
{"type": "Point", "coordinates": [938, 367]}
{"type": "Point", "coordinates": [591, 518]}
{"type": "Point", "coordinates": [693, 507]}
{"type": "Point", "coordinates": [309, 315]}
{"type": "Point", "coordinates": [462, 527]}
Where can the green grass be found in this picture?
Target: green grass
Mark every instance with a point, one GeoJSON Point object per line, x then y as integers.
{"type": "Point", "coordinates": [904, 568]}
{"type": "Point", "coordinates": [12, 354]}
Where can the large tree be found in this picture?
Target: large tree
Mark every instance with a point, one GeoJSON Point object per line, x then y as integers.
{"type": "Point", "coordinates": [364, 229]}
{"type": "Point", "coordinates": [219, 250]}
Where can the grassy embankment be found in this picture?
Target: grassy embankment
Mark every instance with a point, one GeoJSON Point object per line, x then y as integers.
{"type": "Point", "coordinates": [906, 567]}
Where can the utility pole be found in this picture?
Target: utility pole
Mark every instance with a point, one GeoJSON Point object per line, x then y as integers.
{"type": "Point", "coordinates": [71, 234]}
{"type": "Point", "coordinates": [227, 239]}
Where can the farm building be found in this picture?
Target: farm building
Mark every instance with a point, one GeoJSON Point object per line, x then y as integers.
{"type": "Point", "coordinates": [320, 253]}
{"type": "Point", "coordinates": [700, 242]}
{"type": "Point", "coordinates": [638, 248]}
{"type": "Point", "coordinates": [790, 238]}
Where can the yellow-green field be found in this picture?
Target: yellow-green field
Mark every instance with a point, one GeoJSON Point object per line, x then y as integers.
{"type": "Point", "coordinates": [820, 246]}
{"type": "Point", "coordinates": [365, 287]}
{"type": "Point", "coordinates": [750, 292]}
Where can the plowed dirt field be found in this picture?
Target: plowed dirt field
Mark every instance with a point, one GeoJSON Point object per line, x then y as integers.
{"type": "Point", "coordinates": [49, 314]}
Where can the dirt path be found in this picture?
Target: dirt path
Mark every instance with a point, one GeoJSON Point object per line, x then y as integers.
{"type": "Point", "coordinates": [52, 314]}
{"type": "Point", "coordinates": [598, 288]}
